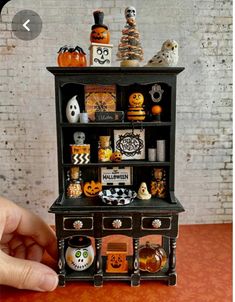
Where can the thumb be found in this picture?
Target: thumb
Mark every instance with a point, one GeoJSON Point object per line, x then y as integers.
{"type": "Point", "coordinates": [26, 274]}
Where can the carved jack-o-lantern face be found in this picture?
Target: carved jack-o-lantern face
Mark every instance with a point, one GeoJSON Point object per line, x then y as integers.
{"type": "Point", "coordinates": [116, 261]}
{"type": "Point", "coordinates": [136, 99]}
{"type": "Point", "coordinates": [116, 156]}
{"type": "Point", "coordinates": [92, 189]}
{"type": "Point", "coordinates": [100, 35]}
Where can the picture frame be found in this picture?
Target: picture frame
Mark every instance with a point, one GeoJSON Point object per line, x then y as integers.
{"type": "Point", "coordinates": [131, 143]}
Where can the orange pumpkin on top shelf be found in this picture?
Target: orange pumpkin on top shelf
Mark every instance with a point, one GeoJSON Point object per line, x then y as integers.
{"type": "Point", "coordinates": [71, 57]}
{"type": "Point", "coordinates": [99, 32]}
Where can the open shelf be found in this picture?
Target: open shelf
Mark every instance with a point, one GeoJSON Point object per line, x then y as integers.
{"type": "Point", "coordinates": [85, 203]}
{"type": "Point", "coordinates": [117, 124]}
{"type": "Point", "coordinates": [122, 164]}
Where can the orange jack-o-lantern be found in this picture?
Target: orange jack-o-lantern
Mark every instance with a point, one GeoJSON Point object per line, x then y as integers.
{"type": "Point", "coordinates": [99, 31]}
{"type": "Point", "coordinates": [100, 35]}
{"type": "Point", "coordinates": [136, 99]}
{"type": "Point", "coordinates": [71, 57]}
{"type": "Point", "coordinates": [152, 258]}
{"type": "Point", "coordinates": [92, 188]}
{"type": "Point", "coordinates": [116, 257]}
{"type": "Point", "coordinates": [116, 157]}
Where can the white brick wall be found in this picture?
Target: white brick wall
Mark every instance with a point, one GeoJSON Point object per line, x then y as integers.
{"type": "Point", "coordinates": [203, 29]}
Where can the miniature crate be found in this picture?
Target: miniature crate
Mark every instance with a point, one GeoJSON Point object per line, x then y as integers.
{"type": "Point", "coordinates": [116, 258]}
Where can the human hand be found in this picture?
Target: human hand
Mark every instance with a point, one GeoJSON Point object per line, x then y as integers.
{"type": "Point", "coordinates": [23, 239]}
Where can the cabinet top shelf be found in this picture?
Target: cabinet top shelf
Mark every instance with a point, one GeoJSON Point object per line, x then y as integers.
{"type": "Point", "coordinates": [114, 70]}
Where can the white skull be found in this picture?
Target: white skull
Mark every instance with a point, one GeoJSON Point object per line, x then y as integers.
{"type": "Point", "coordinates": [130, 12]}
{"type": "Point", "coordinates": [102, 56]}
{"type": "Point", "coordinates": [79, 137]}
{"type": "Point", "coordinates": [80, 253]}
{"type": "Point", "coordinates": [79, 259]}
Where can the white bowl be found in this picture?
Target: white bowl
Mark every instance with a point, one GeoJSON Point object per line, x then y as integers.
{"type": "Point", "coordinates": [117, 196]}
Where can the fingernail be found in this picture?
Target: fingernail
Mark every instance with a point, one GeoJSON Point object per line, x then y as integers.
{"type": "Point", "coordinates": [49, 282]}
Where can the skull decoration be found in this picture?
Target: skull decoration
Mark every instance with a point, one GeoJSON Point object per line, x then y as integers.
{"type": "Point", "coordinates": [80, 253]}
{"type": "Point", "coordinates": [102, 56]}
{"type": "Point", "coordinates": [79, 137]}
{"type": "Point", "coordinates": [130, 12]}
{"type": "Point", "coordinates": [73, 110]}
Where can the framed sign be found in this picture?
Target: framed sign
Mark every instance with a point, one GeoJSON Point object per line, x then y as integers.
{"type": "Point", "coordinates": [116, 176]}
{"type": "Point", "coordinates": [130, 143]}
{"type": "Point", "coordinates": [99, 98]}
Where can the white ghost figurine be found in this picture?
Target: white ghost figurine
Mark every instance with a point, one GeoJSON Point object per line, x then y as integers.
{"type": "Point", "coordinates": [167, 56]}
{"type": "Point", "coordinates": [73, 110]}
{"type": "Point", "coordinates": [143, 192]}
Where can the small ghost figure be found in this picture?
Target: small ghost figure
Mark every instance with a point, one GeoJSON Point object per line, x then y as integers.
{"type": "Point", "coordinates": [167, 56]}
{"type": "Point", "coordinates": [143, 192]}
{"type": "Point", "coordinates": [73, 110]}
{"type": "Point", "coordinates": [79, 137]}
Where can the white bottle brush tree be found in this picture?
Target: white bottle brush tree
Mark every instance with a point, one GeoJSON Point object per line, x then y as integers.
{"type": "Point", "coordinates": [130, 51]}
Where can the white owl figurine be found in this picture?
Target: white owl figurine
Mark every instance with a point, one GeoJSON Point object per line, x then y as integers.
{"type": "Point", "coordinates": [167, 56]}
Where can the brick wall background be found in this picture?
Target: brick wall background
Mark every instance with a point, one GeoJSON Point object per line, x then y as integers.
{"type": "Point", "coordinates": [203, 29]}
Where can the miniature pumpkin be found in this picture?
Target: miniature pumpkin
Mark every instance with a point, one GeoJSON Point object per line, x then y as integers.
{"type": "Point", "coordinates": [99, 31]}
{"type": "Point", "coordinates": [100, 35]}
{"type": "Point", "coordinates": [92, 188]}
{"type": "Point", "coordinates": [156, 109]}
{"type": "Point", "coordinates": [71, 57]}
{"type": "Point", "coordinates": [116, 157]}
{"type": "Point", "coordinates": [152, 257]}
{"type": "Point", "coordinates": [136, 99]}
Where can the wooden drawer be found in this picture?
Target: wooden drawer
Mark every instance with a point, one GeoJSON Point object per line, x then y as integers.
{"type": "Point", "coordinates": [117, 223]}
{"type": "Point", "coordinates": [156, 223]}
{"type": "Point", "coordinates": [78, 223]}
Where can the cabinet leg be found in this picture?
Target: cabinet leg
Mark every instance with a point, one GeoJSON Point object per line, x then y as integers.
{"type": "Point", "coordinates": [61, 262]}
{"type": "Point", "coordinates": [135, 277]}
{"type": "Point", "coordinates": [98, 277]}
{"type": "Point", "coordinates": [172, 263]}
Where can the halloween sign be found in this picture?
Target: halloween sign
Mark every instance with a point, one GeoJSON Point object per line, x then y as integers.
{"type": "Point", "coordinates": [130, 143]}
{"type": "Point", "coordinates": [116, 176]}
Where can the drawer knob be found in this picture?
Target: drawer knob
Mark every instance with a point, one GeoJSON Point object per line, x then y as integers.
{"type": "Point", "coordinates": [117, 223]}
{"type": "Point", "coordinates": [78, 224]}
{"type": "Point", "coordinates": [156, 223]}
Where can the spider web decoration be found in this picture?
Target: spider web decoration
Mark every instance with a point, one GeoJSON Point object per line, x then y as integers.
{"type": "Point", "coordinates": [130, 144]}
{"type": "Point", "coordinates": [99, 98]}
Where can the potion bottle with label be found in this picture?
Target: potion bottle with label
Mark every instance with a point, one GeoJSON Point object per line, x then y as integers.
{"type": "Point", "coordinates": [74, 183]}
{"type": "Point", "coordinates": [104, 149]}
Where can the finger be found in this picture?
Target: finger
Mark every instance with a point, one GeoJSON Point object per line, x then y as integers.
{"type": "Point", "coordinates": [17, 247]}
{"type": "Point", "coordinates": [34, 252]}
{"type": "Point", "coordinates": [17, 219]}
{"type": "Point", "coordinates": [26, 274]}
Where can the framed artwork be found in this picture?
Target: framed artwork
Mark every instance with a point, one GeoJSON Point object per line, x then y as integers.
{"type": "Point", "coordinates": [99, 98]}
{"type": "Point", "coordinates": [131, 143]}
{"type": "Point", "coordinates": [116, 176]}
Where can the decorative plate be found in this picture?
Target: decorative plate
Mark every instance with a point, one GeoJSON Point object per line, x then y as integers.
{"type": "Point", "coordinates": [117, 196]}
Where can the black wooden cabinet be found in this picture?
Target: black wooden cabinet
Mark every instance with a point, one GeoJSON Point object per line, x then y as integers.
{"type": "Point", "coordinates": [140, 218]}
